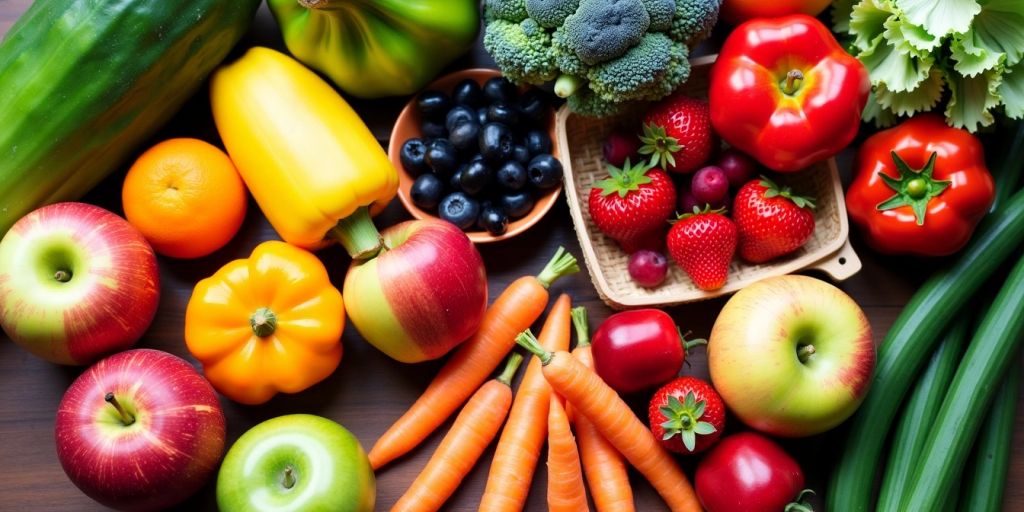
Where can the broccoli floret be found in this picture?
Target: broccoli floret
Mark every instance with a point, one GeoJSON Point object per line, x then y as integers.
{"type": "Point", "coordinates": [521, 50]}
{"type": "Point", "coordinates": [586, 103]}
{"type": "Point", "coordinates": [648, 71]}
{"type": "Point", "coordinates": [565, 56]}
{"type": "Point", "coordinates": [508, 10]}
{"type": "Point", "coordinates": [602, 30]}
{"type": "Point", "coordinates": [551, 13]}
{"type": "Point", "coordinates": [694, 20]}
{"type": "Point", "coordinates": [661, 13]}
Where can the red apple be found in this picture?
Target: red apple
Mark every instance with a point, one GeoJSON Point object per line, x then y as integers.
{"type": "Point", "coordinates": [140, 430]}
{"type": "Point", "coordinates": [425, 293]}
{"type": "Point", "coordinates": [76, 282]}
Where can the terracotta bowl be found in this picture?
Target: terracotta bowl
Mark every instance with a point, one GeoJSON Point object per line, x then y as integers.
{"type": "Point", "coordinates": [408, 126]}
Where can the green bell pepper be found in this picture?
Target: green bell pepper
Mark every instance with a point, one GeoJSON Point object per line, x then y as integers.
{"type": "Point", "coordinates": [377, 48]}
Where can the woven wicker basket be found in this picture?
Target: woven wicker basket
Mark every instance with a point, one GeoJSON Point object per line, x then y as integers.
{"type": "Point", "coordinates": [580, 140]}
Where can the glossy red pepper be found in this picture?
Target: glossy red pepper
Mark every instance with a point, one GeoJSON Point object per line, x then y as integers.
{"type": "Point", "coordinates": [920, 188]}
{"type": "Point", "coordinates": [748, 472]}
{"type": "Point", "coordinates": [785, 92]}
{"type": "Point", "coordinates": [639, 349]}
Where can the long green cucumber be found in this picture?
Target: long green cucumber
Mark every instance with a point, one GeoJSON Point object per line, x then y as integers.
{"type": "Point", "coordinates": [907, 345]}
{"type": "Point", "coordinates": [974, 386]}
{"type": "Point", "coordinates": [985, 476]}
{"type": "Point", "coordinates": [84, 82]}
{"type": "Point", "coordinates": [919, 413]}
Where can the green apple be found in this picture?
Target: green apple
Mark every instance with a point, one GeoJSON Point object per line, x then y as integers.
{"type": "Point", "coordinates": [297, 462]}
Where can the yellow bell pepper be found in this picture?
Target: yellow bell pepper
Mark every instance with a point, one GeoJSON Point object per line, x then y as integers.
{"type": "Point", "coordinates": [266, 324]}
{"type": "Point", "coordinates": [311, 163]}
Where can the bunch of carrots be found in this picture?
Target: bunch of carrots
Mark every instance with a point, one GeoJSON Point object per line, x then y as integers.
{"type": "Point", "coordinates": [606, 428]}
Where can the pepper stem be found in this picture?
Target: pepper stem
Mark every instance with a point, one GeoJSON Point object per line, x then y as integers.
{"type": "Point", "coordinates": [126, 416]}
{"type": "Point", "coordinates": [527, 340]}
{"type": "Point", "coordinates": [358, 235]}
{"type": "Point", "coordinates": [794, 78]}
{"type": "Point", "coordinates": [263, 322]}
{"type": "Point", "coordinates": [800, 504]}
{"type": "Point", "coordinates": [579, 323]}
{"type": "Point", "coordinates": [514, 360]}
{"type": "Point", "coordinates": [288, 479]}
{"type": "Point", "coordinates": [561, 264]}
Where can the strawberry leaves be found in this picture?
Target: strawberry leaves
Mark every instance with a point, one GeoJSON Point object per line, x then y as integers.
{"type": "Point", "coordinates": [625, 180]}
{"type": "Point", "coordinates": [683, 419]}
{"type": "Point", "coordinates": [773, 190]}
{"type": "Point", "coordinates": [658, 144]}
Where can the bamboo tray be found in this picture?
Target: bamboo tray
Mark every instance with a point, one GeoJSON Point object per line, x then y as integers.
{"type": "Point", "coordinates": [580, 140]}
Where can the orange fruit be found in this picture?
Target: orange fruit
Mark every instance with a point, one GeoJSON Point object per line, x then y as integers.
{"type": "Point", "coordinates": [186, 198]}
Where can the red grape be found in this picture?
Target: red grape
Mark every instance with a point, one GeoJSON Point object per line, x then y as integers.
{"type": "Point", "coordinates": [648, 268]}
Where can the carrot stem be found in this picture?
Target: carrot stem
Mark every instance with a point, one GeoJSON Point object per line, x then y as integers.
{"type": "Point", "coordinates": [514, 360]}
{"type": "Point", "coordinates": [527, 340]}
{"type": "Point", "coordinates": [561, 264]}
{"type": "Point", "coordinates": [579, 323]}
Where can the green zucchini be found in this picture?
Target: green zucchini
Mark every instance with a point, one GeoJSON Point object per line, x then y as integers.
{"type": "Point", "coordinates": [907, 345]}
{"type": "Point", "coordinates": [985, 476]}
{"type": "Point", "coordinates": [974, 386]}
{"type": "Point", "coordinates": [84, 82]}
{"type": "Point", "coordinates": [918, 414]}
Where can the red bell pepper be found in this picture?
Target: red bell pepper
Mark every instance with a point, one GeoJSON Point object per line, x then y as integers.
{"type": "Point", "coordinates": [920, 188]}
{"type": "Point", "coordinates": [785, 92]}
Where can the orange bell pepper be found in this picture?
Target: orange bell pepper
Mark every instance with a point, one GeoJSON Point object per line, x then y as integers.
{"type": "Point", "coordinates": [266, 324]}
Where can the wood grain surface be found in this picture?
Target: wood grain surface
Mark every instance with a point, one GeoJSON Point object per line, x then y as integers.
{"type": "Point", "coordinates": [369, 390]}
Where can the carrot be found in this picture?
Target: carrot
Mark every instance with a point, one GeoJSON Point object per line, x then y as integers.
{"type": "Point", "coordinates": [602, 464]}
{"type": "Point", "coordinates": [616, 422]}
{"type": "Point", "coordinates": [514, 310]}
{"type": "Point", "coordinates": [565, 477]}
{"type": "Point", "coordinates": [474, 429]}
{"type": "Point", "coordinates": [515, 458]}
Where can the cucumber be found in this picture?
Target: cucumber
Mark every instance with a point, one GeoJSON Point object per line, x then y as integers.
{"type": "Point", "coordinates": [907, 345]}
{"type": "Point", "coordinates": [84, 82]}
{"type": "Point", "coordinates": [986, 475]}
{"type": "Point", "coordinates": [918, 414]}
{"type": "Point", "coordinates": [974, 386]}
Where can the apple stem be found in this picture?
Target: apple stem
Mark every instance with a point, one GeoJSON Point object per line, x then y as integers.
{"type": "Point", "coordinates": [62, 276]}
{"type": "Point", "coordinates": [289, 478]}
{"type": "Point", "coordinates": [263, 322]}
{"type": "Point", "coordinates": [126, 418]}
{"type": "Point", "coordinates": [805, 352]}
{"type": "Point", "coordinates": [358, 235]}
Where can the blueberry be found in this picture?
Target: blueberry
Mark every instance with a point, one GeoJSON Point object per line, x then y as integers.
{"type": "Point", "coordinates": [496, 142]}
{"type": "Point", "coordinates": [459, 209]}
{"type": "Point", "coordinates": [458, 115]}
{"type": "Point", "coordinates": [545, 171]}
{"type": "Point", "coordinates": [493, 219]}
{"type": "Point", "coordinates": [433, 130]}
{"type": "Point", "coordinates": [503, 113]}
{"type": "Point", "coordinates": [442, 157]}
{"type": "Point", "coordinates": [434, 104]}
{"type": "Point", "coordinates": [499, 89]}
{"type": "Point", "coordinates": [426, 191]}
{"type": "Point", "coordinates": [534, 107]}
{"type": "Point", "coordinates": [475, 178]}
{"type": "Point", "coordinates": [538, 142]}
{"type": "Point", "coordinates": [468, 93]}
{"type": "Point", "coordinates": [481, 115]}
{"type": "Point", "coordinates": [465, 137]}
{"type": "Point", "coordinates": [512, 175]}
{"type": "Point", "coordinates": [477, 157]}
{"type": "Point", "coordinates": [455, 181]}
{"type": "Point", "coordinates": [521, 154]}
{"type": "Point", "coordinates": [516, 204]}
{"type": "Point", "coordinates": [413, 151]}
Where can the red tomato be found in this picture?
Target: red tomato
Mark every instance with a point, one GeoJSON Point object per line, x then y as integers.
{"type": "Point", "coordinates": [737, 11]}
{"type": "Point", "coordinates": [748, 472]}
{"type": "Point", "coordinates": [639, 349]}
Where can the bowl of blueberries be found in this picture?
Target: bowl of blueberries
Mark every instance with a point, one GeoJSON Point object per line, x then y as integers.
{"type": "Point", "coordinates": [476, 150]}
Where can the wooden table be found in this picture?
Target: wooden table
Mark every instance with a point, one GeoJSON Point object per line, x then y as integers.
{"type": "Point", "coordinates": [370, 390]}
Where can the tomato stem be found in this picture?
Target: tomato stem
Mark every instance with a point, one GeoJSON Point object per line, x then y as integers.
{"type": "Point", "coordinates": [126, 417]}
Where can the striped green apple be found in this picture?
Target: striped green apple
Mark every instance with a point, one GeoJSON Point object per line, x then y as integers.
{"type": "Point", "coordinates": [76, 282]}
{"type": "Point", "coordinates": [425, 293]}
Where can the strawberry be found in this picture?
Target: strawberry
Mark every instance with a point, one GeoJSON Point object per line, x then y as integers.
{"type": "Point", "coordinates": [772, 221]}
{"type": "Point", "coordinates": [677, 134]}
{"type": "Point", "coordinates": [633, 204]}
{"type": "Point", "coordinates": [702, 243]}
{"type": "Point", "coordinates": [687, 415]}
